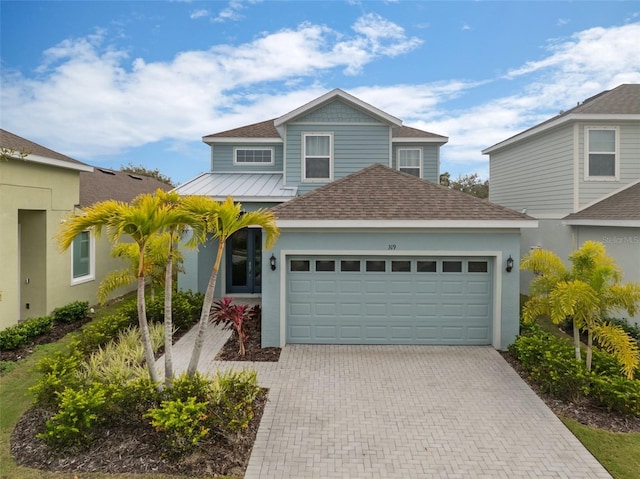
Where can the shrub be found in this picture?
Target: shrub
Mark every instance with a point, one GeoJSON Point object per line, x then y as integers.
{"type": "Point", "coordinates": [231, 316]}
{"type": "Point", "coordinates": [183, 423]}
{"type": "Point", "coordinates": [233, 394]}
{"type": "Point", "coordinates": [72, 312]}
{"type": "Point", "coordinates": [100, 332]}
{"type": "Point", "coordinates": [133, 398]}
{"type": "Point", "coordinates": [185, 386]}
{"type": "Point", "coordinates": [80, 410]}
{"type": "Point", "coordinates": [618, 394]}
{"type": "Point", "coordinates": [552, 364]}
{"type": "Point", "coordinates": [57, 373]}
{"type": "Point", "coordinates": [185, 308]}
{"type": "Point", "coordinates": [17, 336]}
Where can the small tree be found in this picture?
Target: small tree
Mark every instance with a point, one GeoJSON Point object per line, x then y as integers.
{"type": "Point", "coordinates": [470, 184]}
{"type": "Point", "coordinates": [141, 170]}
{"type": "Point", "coordinates": [586, 293]}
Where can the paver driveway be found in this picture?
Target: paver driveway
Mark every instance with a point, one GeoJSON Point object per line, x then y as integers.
{"type": "Point", "coordinates": [406, 412]}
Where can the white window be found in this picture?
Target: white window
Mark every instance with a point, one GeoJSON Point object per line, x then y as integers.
{"type": "Point", "coordinates": [410, 161]}
{"type": "Point", "coordinates": [82, 258]}
{"type": "Point", "coordinates": [317, 157]}
{"type": "Point", "coordinates": [253, 156]}
{"type": "Point", "coordinates": [601, 157]}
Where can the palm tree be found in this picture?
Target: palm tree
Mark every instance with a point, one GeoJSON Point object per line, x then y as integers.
{"type": "Point", "coordinates": [146, 216]}
{"type": "Point", "coordinates": [586, 293]}
{"type": "Point", "coordinates": [223, 219]}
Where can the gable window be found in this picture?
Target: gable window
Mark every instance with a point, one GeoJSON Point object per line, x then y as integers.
{"type": "Point", "coordinates": [317, 161]}
{"type": "Point", "coordinates": [410, 161]}
{"type": "Point", "coordinates": [82, 258]}
{"type": "Point", "coordinates": [602, 153]}
{"type": "Point", "coordinates": [253, 156]}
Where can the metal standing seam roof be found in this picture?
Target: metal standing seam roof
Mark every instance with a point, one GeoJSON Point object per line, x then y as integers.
{"type": "Point", "coordinates": [240, 186]}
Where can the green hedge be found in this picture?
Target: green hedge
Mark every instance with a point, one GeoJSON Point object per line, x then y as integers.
{"type": "Point", "coordinates": [72, 312]}
{"type": "Point", "coordinates": [552, 364]}
{"type": "Point", "coordinates": [17, 336]}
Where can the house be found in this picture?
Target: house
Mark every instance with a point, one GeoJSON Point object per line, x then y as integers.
{"type": "Point", "coordinates": [372, 250]}
{"type": "Point", "coordinates": [578, 173]}
{"type": "Point", "coordinates": [39, 187]}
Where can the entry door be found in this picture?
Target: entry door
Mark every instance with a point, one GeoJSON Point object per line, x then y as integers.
{"type": "Point", "coordinates": [244, 261]}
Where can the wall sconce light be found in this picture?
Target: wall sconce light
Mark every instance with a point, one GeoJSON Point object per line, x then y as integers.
{"type": "Point", "coordinates": [509, 264]}
{"type": "Point", "coordinates": [272, 262]}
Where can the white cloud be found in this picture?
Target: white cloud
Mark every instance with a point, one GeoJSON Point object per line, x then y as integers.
{"type": "Point", "coordinates": [201, 13]}
{"type": "Point", "coordinates": [85, 89]}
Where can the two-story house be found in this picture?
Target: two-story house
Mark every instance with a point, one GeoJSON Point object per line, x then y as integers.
{"type": "Point", "coordinates": [39, 187]}
{"type": "Point", "coordinates": [372, 250]}
{"type": "Point", "coordinates": [578, 173]}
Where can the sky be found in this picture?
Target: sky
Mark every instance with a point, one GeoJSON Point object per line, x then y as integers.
{"type": "Point", "coordinates": [111, 83]}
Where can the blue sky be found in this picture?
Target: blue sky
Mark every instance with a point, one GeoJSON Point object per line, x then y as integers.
{"type": "Point", "coordinates": [117, 82]}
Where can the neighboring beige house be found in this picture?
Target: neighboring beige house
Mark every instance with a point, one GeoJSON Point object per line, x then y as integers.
{"type": "Point", "coordinates": [38, 189]}
{"type": "Point", "coordinates": [578, 174]}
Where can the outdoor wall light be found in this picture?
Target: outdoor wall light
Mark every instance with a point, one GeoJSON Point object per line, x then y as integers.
{"type": "Point", "coordinates": [509, 264]}
{"type": "Point", "coordinates": [272, 262]}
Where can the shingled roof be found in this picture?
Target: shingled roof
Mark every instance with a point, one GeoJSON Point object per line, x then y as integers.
{"type": "Point", "coordinates": [622, 206]}
{"type": "Point", "coordinates": [381, 193]}
{"type": "Point", "coordinates": [18, 144]}
{"type": "Point", "coordinates": [104, 184]}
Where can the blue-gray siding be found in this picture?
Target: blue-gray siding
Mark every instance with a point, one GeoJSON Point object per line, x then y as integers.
{"type": "Point", "coordinates": [223, 158]}
{"type": "Point", "coordinates": [430, 159]}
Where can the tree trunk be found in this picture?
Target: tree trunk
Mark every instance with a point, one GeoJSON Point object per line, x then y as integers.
{"type": "Point", "coordinates": [168, 319]}
{"type": "Point", "coordinates": [576, 340]}
{"type": "Point", "coordinates": [144, 326]}
{"type": "Point", "coordinates": [589, 348]}
{"type": "Point", "coordinates": [206, 310]}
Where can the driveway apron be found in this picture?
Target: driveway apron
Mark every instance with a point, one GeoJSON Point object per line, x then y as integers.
{"type": "Point", "coordinates": [406, 412]}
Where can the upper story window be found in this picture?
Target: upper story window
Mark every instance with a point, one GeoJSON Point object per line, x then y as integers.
{"type": "Point", "coordinates": [601, 158]}
{"type": "Point", "coordinates": [410, 161]}
{"type": "Point", "coordinates": [317, 157]}
{"type": "Point", "coordinates": [253, 156]}
{"type": "Point", "coordinates": [82, 258]}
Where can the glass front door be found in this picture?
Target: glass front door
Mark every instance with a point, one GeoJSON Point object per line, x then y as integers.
{"type": "Point", "coordinates": [244, 261]}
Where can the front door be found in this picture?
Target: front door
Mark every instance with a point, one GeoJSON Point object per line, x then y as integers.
{"type": "Point", "coordinates": [244, 257]}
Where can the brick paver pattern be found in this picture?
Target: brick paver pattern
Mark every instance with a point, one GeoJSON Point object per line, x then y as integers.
{"type": "Point", "coordinates": [401, 412]}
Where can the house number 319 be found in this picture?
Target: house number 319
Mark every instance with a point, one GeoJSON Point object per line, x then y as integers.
{"type": "Point", "coordinates": [392, 246]}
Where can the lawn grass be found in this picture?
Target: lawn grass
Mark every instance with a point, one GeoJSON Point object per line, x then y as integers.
{"type": "Point", "coordinates": [15, 399]}
{"type": "Point", "coordinates": [618, 453]}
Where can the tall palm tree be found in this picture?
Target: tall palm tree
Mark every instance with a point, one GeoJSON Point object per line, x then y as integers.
{"type": "Point", "coordinates": [146, 216]}
{"type": "Point", "coordinates": [223, 219]}
{"type": "Point", "coordinates": [586, 293]}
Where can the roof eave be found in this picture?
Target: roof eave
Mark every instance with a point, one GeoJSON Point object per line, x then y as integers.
{"type": "Point", "coordinates": [417, 139]}
{"type": "Point", "coordinates": [408, 224]}
{"type": "Point", "coordinates": [603, 222]}
{"type": "Point", "coordinates": [226, 139]}
{"type": "Point", "coordinates": [59, 163]}
{"type": "Point", "coordinates": [560, 121]}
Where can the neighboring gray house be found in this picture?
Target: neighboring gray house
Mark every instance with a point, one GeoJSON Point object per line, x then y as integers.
{"type": "Point", "coordinates": [579, 175]}
{"type": "Point", "coordinates": [372, 250]}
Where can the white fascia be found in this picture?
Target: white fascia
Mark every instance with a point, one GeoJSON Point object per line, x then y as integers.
{"type": "Point", "coordinates": [407, 224]}
{"type": "Point", "coordinates": [240, 141]}
{"type": "Point", "coordinates": [609, 223]}
{"type": "Point", "coordinates": [442, 140]}
{"type": "Point", "coordinates": [61, 163]}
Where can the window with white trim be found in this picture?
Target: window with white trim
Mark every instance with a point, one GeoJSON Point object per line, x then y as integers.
{"type": "Point", "coordinates": [82, 258]}
{"type": "Point", "coordinates": [601, 157]}
{"type": "Point", "coordinates": [317, 157]}
{"type": "Point", "coordinates": [410, 161]}
{"type": "Point", "coordinates": [253, 156]}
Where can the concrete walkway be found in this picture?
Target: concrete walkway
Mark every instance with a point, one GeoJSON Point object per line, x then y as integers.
{"type": "Point", "coordinates": [401, 412]}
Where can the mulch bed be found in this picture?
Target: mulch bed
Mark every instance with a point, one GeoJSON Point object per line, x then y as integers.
{"type": "Point", "coordinates": [123, 449]}
{"type": "Point", "coordinates": [585, 412]}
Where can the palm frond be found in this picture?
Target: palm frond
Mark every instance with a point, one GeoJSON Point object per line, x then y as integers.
{"type": "Point", "coordinates": [113, 281]}
{"type": "Point", "coordinates": [625, 348]}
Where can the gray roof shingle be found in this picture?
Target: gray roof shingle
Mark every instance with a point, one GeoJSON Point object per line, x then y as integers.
{"type": "Point", "coordinates": [381, 193]}
{"type": "Point", "coordinates": [624, 205]}
{"type": "Point", "coordinates": [104, 184]}
{"type": "Point", "coordinates": [19, 144]}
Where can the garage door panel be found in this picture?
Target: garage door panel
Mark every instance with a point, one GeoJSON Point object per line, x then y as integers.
{"type": "Point", "coordinates": [379, 306]}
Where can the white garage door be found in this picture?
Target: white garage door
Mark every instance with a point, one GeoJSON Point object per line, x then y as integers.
{"type": "Point", "coordinates": [388, 300]}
